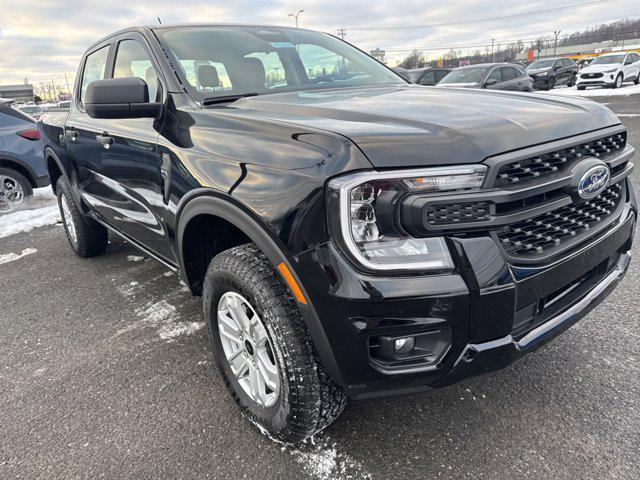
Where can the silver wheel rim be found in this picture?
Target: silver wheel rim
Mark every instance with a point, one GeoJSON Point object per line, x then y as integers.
{"type": "Point", "coordinates": [68, 219]}
{"type": "Point", "coordinates": [619, 81]}
{"type": "Point", "coordinates": [11, 193]}
{"type": "Point", "coordinates": [248, 349]}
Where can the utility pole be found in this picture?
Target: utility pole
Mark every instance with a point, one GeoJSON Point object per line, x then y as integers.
{"type": "Point", "coordinates": [159, 21]}
{"type": "Point", "coordinates": [492, 42]}
{"type": "Point", "coordinates": [341, 33]}
{"type": "Point", "coordinates": [67, 80]}
{"type": "Point", "coordinates": [555, 43]}
{"type": "Point", "coordinates": [296, 15]}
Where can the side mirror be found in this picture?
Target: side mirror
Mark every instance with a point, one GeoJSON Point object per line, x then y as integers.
{"type": "Point", "coordinates": [491, 81]}
{"type": "Point", "coordinates": [126, 97]}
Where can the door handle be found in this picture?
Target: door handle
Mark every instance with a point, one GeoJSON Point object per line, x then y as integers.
{"type": "Point", "coordinates": [105, 140]}
{"type": "Point", "coordinates": [72, 133]}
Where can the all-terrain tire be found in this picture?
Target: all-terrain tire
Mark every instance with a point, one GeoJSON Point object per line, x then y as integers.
{"type": "Point", "coordinates": [308, 399]}
{"type": "Point", "coordinates": [86, 236]}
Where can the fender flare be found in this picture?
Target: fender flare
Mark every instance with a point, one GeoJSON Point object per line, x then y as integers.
{"type": "Point", "coordinates": [206, 201]}
{"type": "Point", "coordinates": [50, 153]}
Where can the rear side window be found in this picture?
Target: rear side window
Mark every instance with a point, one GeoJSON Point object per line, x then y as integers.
{"type": "Point", "coordinates": [132, 61]}
{"type": "Point", "coordinates": [440, 74]}
{"type": "Point", "coordinates": [94, 68]}
{"type": "Point", "coordinates": [9, 116]}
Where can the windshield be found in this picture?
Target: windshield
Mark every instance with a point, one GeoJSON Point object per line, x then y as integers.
{"type": "Point", "coordinates": [465, 75]}
{"type": "Point", "coordinates": [607, 59]}
{"type": "Point", "coordinates": [216, 61]}
{"type": "Point", "coordinates": [541, 64]}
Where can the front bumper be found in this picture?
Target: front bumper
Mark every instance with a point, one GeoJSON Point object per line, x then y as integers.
{"type": "Point", "coordinates": [606, 80]}
{"type": "Point", "coordinates": [480, 303]}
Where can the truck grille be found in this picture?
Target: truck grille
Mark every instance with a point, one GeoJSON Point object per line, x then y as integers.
{"type": "Point", "coordinates": [548, 163]}
{"type": "Point", "coordinates": [545, 232]}
{"type": "Point", "coordinates": [457, 213]}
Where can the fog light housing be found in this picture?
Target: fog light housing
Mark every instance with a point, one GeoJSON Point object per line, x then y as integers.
{"type": "Point", "coordinates": [393, 354]}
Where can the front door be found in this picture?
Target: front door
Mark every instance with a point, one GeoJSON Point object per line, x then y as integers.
{"type": "Point", "coordinates": [130, 160]}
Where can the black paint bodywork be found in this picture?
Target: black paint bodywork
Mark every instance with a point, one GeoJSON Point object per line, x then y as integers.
{"type": "Point", "coordinates": [262, 164]}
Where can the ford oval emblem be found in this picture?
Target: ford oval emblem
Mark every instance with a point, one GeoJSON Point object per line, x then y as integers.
{"type": "Point", "coordinates": [593, 181]}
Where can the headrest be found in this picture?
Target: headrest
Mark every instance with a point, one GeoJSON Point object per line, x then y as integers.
{"type": "Point", "coordinates": [253, 71]}
{"type": "Point", "coordinates": [208, 76]}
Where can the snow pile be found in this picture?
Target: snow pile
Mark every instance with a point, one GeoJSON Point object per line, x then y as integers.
{"type": "Point", "coordinates": [625, 90]}
{"type": "Point", "coordinates": [10, 257]}
{"type": "Point", "coordinates": [26, 220]}
{"type": "Point", "coordinates": [322, 461]}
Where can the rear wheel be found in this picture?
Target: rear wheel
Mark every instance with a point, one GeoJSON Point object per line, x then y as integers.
{"type": "Point", "coordinates": [86, 236]}
{"type": "Point", "coordinates": [572, 81]}
{"type": "Point", "coordinates": [14, 190]}
{"type": "Point", "coordinates": [637, 80]}
{"type": "Point", "coordinates": [263, 348]}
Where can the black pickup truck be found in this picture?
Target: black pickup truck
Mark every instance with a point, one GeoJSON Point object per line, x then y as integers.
{"type": "Point", "coordinates": [351, 235]}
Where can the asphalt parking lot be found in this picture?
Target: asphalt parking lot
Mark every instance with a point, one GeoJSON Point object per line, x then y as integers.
{"type": "Point", "coordinates": [106, 372]}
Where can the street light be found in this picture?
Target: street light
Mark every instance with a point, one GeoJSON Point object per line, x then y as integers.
{"type": "Point", "coordinates": [296, 15]}
{"type": "Point", "coordinates": [555, 43]}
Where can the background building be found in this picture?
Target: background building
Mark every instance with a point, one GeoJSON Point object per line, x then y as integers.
{"type": "Point", "coordinates": [23, 92]}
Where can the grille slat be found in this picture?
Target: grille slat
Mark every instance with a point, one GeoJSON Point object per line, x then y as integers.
{"type": "Point", "coordinates": [541, 165]}
{"type": "Point", "coordinates": [542, 233]}
{"type": "Point", "coordinates": [454, 213]}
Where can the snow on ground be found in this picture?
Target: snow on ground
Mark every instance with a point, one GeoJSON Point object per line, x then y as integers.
{"type": "Point", "coordinates": [38, 211]}
{"type": "Point", "coordinates": [10, 257]}
{"type": "Point", "coordinates": [625, 90]}
{"type": "Point", "coordinates": [322, 461]}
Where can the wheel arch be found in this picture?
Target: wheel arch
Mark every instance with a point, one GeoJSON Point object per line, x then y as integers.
{"type": "Point", "coordinates": [20, 167]}
{"type": "Point", "coordinates": [204, 202]}
{"type": "Point", "coordinates": [55, 169]}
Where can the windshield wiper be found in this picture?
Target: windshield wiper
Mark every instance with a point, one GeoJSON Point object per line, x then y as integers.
{"type": "Point", "coordinates": [227, 98]}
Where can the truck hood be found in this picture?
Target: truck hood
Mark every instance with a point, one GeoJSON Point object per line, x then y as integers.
{"type": "Point", "coordinates": [405, 126]}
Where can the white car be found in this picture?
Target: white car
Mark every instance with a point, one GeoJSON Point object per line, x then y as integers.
{"type": "Point", "coordinates": [610, 70]}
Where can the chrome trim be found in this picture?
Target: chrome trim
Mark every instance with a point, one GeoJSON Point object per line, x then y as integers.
{"type": "Point", "coordinates": [550, 325]}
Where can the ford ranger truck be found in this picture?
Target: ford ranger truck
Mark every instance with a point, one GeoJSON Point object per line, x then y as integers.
{"type": "Point", "coordinates": [351, 235]}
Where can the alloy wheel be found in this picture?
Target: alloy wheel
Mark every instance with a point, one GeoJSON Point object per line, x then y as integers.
{"type": "Point", "coordinates": [248, 349]}
{"type": "Point", "coordinates": [68, 219]}
{"type": "Point", "coordinates": [11, 193]}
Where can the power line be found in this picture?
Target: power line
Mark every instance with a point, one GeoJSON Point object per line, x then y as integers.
{"type": "Point", "coordinates": [486, 19]}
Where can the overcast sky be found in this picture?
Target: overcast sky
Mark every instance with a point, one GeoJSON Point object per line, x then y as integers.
{"type": "Point", "coordinates": [42, 39]}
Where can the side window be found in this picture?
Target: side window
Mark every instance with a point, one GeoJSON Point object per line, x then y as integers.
{"type": "Point", "coordinates": [132, 61]}
{"type": "Point", "coordinates": [508, 73]}
{"type": "Point", "coordinates": [440, 74]}
{"type": "Point", "coordinates": [428, 78]}
{"type": "Point", "coordinates": [558, 64]}
{"type": "Point", "coordinates": [269, 72]}
{"type": "Point", "coordinates": [94, 68]}
{"type": "Point", "coordinates": [495, 75]}
{"type": "Point", "coordinates": [636, 57]}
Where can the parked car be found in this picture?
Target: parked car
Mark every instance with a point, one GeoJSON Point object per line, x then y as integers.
{"type": "Point", "coordinates": [429, 76]}
{"type": "Point", "coordinates": [549, 72]}
{"type": "Point", "coordinates": [403, 72]}
{"type": "Point", "coordinates": [21, 160]}
{"type": "Point", "coordinates": [610, 70]}
{"type": "Point", "coordinates": [356, 237]}
{"type": "Point", "coordinates": [494, 76]}
{"type": "Point", "coordinates": [63, 104]}
{"type": "Point", "coordinates": [35, 111]}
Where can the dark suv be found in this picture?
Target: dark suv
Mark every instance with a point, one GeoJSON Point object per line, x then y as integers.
{"type": "Point", "coordinates": [345, 242]}
{"type": "Point", "coordinates": [21, 162]}
{"type": "Point", "coordinates": [549, 72]}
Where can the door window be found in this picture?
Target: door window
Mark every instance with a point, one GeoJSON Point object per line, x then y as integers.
{"type": "Point", "coordinates": [428, 78]}
{"type": "Point", "coordinates": [132, 61]}
{"type": "Point", "coordinates": [440, 74]}
{"type": "Point", "coordinates": [508, 73]}
{"type": "Point", "coordinates": [94, 68]}
{"type": "Point", "coordinates": [495, 75]}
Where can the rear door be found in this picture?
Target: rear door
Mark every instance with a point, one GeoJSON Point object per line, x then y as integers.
{"type": "Point", "coordinates": [509, 79]}
{"type": "Point", "coordinates": [130, 169]}
{"type": "Point", "coordinates": [80, 129]}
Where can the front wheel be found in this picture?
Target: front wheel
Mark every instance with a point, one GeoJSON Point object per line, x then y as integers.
{"type": "Point", "coordinates": [551, 83]}
{"type": "Point", "coordinates": [618, 82]}
{"type": "Point", "coordinates": [86, 236]}
{"type": "Point", "coordinates": [263, 349]}
{"type": "Point", "coordinates": [14, 190]}
{"type": "Point", "coordinates": [581, 87]}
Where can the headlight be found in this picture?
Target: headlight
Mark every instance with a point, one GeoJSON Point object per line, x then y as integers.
{"type": "Point", "coordinates": [542, 74]}
{"type": "Point", "coordinates": [368, 223]}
